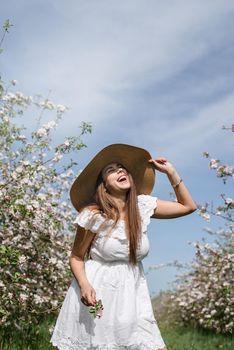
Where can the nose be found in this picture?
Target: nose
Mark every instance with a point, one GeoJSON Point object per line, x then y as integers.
{"type": "Point", "coordinates": [120, 170]}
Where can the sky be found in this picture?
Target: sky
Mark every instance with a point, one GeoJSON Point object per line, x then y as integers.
{"type": "Point", "coordinates": [154, 74]}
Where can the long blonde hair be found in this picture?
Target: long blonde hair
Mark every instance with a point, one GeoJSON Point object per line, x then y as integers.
{"type": "Point", "coordinates": [107, 205]}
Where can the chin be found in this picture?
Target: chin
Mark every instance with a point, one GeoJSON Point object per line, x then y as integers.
{"type": "Point", "coordinates": [126, 188]}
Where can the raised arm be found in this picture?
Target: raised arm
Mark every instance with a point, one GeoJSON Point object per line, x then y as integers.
{"type": "Point", "coordinates": [169, 209]}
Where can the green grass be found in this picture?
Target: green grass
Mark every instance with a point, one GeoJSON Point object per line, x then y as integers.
{"type": "Point", "coordinates": [33, 339]}
{"type": "Point", "coordinates": [176, 338]}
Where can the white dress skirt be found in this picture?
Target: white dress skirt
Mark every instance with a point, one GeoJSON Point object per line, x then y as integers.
{"type": "Point", "coordinates": [127, 322]}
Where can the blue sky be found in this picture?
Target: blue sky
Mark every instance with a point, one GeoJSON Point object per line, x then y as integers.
{"type": "Point", "coordinates": [155, 74]}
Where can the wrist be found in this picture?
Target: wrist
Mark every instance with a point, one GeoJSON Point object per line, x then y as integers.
{"type": "Point", "coordinates": [172, 173]}
{"type": "Point", "coordinates": [175, 185]}
{"type": "Point", "coordinates": [83, 283]}
{"type": "Point", "coordinates": [174, 178]}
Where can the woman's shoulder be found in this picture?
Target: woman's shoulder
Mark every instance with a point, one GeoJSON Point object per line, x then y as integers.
{"type": "Point", "coordinates": [90, 217]}
{"type": "Point", "coordinates": [146, 199]}
{"type": "Point", "coordinates": [147, 205]}
{"type": "Point", "coordinates": [93, 208]}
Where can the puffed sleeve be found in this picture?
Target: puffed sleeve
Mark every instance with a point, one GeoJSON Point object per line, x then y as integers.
{"type": "Point", "coordinates": [146, 204]}
{"type": "Point", "coordinates": [89, 219]}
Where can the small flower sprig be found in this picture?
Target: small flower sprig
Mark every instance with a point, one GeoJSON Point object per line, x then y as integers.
{"type": "Point", "coordinates": [97, 309]}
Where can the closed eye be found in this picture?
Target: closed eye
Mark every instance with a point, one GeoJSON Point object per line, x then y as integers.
{"type": "Point", "coordinates": [109, 170]}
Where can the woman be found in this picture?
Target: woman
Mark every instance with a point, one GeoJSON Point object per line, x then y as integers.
{"type": "Point", "coordinates": [112, 197]}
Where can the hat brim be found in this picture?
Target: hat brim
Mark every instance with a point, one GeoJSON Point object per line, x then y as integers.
{"type": "Point", "coordinates": [134, 159]}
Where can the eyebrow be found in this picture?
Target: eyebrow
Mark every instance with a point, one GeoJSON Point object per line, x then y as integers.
{"type": "Point", "coordinates": [108, 167]}
{"type": "Point", "coordinates": [111, 167]}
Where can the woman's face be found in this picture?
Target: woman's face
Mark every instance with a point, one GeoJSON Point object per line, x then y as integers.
{"type": "Point", "coordinates": [116, 178]}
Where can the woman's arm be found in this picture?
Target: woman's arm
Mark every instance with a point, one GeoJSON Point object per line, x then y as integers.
{"type": "Point", "coordinates": [185, 204]}
{"type": "Point", "coordinates": [83, 241]}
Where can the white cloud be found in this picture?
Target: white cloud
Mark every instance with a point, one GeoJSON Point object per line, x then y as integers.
{"type": "Point", "coordinates": [88, 50]}
{"type": "Point", "coordinates": [104, 58]}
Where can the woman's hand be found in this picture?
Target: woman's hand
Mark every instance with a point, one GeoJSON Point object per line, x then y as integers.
{"type": "Point", "coordinates": [161, 164]}
{"type": "Point", "coordinates": [88, 294]}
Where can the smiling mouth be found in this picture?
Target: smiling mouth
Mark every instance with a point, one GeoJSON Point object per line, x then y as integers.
{"type": "Point", "coordinates": [122, 178]}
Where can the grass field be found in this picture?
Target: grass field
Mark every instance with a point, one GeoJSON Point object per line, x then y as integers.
{"type": "Point", "coordinates": [175, 336]}
{"type": "Point", "coordinates": [190, 339]}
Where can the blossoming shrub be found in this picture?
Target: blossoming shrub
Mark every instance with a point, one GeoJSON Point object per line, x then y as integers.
{"type": "Point", "coordinates": [35, 215]}
{"type": "Point", "coordinates": [205, 295]}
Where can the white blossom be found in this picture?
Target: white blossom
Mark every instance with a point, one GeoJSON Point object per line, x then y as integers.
{"type": "Point", "coordinates": [67, 143]}
{"type": "Point", "coordinates": [41, 132]}
{"type": "Point", "coordinates": [10, 295]}
{"type": "Point", "coordinates": [23, 298]}
{"type": "Point", "coordinates": [19, 169]}
{"type": "Point", "coordinates": [22, 259]}
{"type": "Point", "coordinates": [229, 201]}
{"type": "Point", "coordinates": [61, 108]}
{"type": "Point", "coordinates": [48, 105]}
{"type": "Point", "coordinates": [37, 299]}
{"type": "Point", "coordinates": [57, 157]}
{"type": "Point", "coordinates": [50, 125]}
{"type": "Point", "coordinates": [214, 163]}
{"type": "Point", "coordinates": [14, 82]}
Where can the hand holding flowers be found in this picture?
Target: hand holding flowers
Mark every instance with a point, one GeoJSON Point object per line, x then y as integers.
{"type": "Point", "coordinates": [97, 309]}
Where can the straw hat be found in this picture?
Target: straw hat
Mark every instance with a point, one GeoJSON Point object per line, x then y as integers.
{"type": "Point", "coordinates": [134, 159]}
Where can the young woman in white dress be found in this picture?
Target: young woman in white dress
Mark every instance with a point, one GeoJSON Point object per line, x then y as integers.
{"type": "Point", "coordinates": [112, 197]}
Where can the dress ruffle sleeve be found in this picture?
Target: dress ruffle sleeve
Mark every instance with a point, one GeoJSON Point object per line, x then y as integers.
{"type": "Point", "coordinates": [89, 219]}
{"type": "Point", "coordinates": [146, 204]}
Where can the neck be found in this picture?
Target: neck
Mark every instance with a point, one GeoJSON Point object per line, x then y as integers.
{"type": "Point", "coordinates": [120, 200]}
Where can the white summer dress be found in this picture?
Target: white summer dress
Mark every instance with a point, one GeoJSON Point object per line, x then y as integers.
{"type": "Point", "coordinates": [127, 322]}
